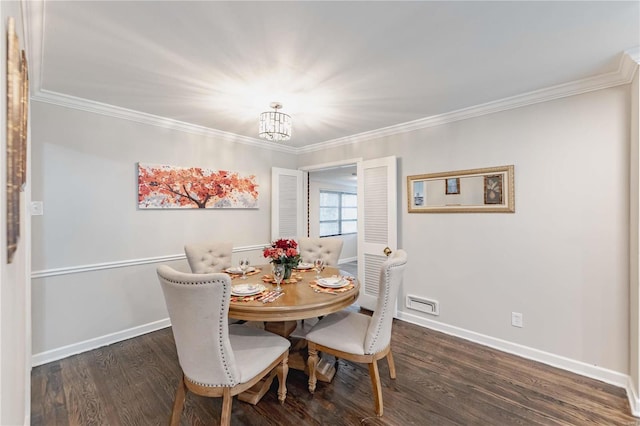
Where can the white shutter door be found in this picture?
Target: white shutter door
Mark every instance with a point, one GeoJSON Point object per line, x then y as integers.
{"type": "Point", "coordinates": [288, 203]}
{"type": "Point", "coordinates": [377, 223]}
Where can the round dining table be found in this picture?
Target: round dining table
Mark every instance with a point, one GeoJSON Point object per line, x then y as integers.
{"type": "Point", "coordinates": [300, 300]}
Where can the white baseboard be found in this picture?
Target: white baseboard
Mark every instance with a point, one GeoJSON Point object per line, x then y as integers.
{"type": "Point", "coordinates": [634, 401]}
{"type": "Point", "coordinates": [608, 376]}
{"type": "Point", "coordinates": [87, 345]}
{"type": "Point", "coordinates": [347, 260]}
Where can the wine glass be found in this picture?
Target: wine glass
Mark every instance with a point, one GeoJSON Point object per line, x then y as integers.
{"type": "Point", "coordinates": [278, 275]}
{"type": "Point", "coordinates": [318, 265]}
{"type": "Point", "coordinates": [244, 265]}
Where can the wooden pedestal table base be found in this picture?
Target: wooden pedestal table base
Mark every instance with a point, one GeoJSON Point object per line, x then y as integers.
{"type": "Point", "coordinates": [254, 394]}
{"type": "Point", "coordinates": [325, 370]}
{"type": "Point", "coordinates": [298, 302]}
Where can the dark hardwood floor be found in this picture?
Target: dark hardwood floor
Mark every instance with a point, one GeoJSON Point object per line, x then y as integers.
{"type": "Point", "coordinates": [441, 380]}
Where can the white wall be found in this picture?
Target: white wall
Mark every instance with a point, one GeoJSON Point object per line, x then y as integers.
{"type": "Point", "coordinates": [350, 246]}
{"type": "Point", "coordinates": [15, 303]}
{"type": "Point", "coordinates": [561, 259]}
{"type": "Point", "coordinates": [85, 173]}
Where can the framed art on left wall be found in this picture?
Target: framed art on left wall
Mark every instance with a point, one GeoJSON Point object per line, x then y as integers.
{"type": "Point", "coordinates": [162, 186]}
{"type": "Point", "coordinates": [17, 112]}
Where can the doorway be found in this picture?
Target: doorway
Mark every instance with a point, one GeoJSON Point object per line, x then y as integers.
{"type": "Point", "coordinates": [332, 209]}
{"type": "Point", "coordinates": [377, 202]}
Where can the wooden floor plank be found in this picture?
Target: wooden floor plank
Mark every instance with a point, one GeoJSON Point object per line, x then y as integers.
{"type": "Point", "coordinates": [441, 380]}
{"type": "Point", "coordinates": [85, 405]}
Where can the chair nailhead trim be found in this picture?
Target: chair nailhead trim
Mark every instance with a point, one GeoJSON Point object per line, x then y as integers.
{"type": "Point", "coordinates": [222, 354]}
{"type": "Point", "coordinates": [374, 340]}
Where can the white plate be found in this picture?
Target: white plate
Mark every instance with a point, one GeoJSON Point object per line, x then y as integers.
{"type": "Point", "coordinates": [303, 265]}
{"type": "Point", "coordinates": [247, 289]}
{"type": "Point", "coordinates": [237, 270]}
{"type": "Point", "coordinates": [333, 282]}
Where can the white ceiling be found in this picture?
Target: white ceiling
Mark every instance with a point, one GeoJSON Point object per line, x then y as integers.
{"type": "Point", "coordinates": [339, 68]}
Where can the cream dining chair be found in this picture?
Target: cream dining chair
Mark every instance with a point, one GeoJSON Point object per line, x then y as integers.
{"type": "Point", "coordinates": [206, 258]}
{"type": "Point", "coordinates": [217, 359]}
{"type": "Point", "coordinates": [361, 338]}
{"type": "Point", "coordinates": [328, 249]}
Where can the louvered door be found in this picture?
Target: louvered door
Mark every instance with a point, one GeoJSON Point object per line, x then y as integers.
{"type": "Point", "coordinates": [288, 203]}
{"type": "Point", "coordinates": [377, 223]}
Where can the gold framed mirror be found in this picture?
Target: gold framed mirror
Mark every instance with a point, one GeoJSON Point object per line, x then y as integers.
{"type": "Point", "coordinates": [487, 190]}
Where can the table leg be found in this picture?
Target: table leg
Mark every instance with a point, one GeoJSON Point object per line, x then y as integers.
{"type": "Point", "coordinates": [325, 370]}
{"type": "Point", "coordinates": [254, 394]}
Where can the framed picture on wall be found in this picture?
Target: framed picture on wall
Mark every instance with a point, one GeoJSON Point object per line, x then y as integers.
{"type": "Point", "coordinates": [14, 130]}
{"type": "Point", "coordinates": [24, 116]}
{"type": "Point", "coordinates": [493, 189]}
{"type": "Point", "coordinates": [418, 193]}
{"type": "Point", "coordinates": [452, 186]}
{"type": "Point", "coordinates": [486, 190]}
{"type": "Point", "coordinates": [172, 187]}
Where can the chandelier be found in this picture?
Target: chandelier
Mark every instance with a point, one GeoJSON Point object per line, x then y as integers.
{"type": "Point", "coordinates": [274, 125]}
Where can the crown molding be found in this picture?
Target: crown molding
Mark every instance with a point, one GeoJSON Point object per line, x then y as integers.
{"type": "Point", "coordinates": [632, 54]}
{"type": "Point", "coordinates": [153, 120]}
{"type": "Point", "coordinates": [623, 75]}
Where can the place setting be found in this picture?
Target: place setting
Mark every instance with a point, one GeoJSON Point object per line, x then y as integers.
{"type": "Point", "coordinates": [332, 285]}
{"type": "Point", "coordinates": [251, 292]}
{"type": "Point", "coordinates": [243, 270]}
{"type": "Point", "coordinates": [304, 267]}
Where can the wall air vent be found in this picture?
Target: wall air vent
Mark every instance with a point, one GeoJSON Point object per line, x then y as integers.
{"type": "Point", "coordinates": [428, 306]}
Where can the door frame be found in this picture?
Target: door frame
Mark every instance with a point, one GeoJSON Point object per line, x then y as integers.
{"type": "Point", "coordinates": [315, 167]}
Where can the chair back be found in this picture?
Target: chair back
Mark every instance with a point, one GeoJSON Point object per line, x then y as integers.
{"type": "Point", "coordinates": [379, 332]}
{"type": "Point", "coordinates": [209, 257]}
{"type": "Point", "coordinates": [198, 306]}
{"type": "Point", "coordinates": [328, 249]}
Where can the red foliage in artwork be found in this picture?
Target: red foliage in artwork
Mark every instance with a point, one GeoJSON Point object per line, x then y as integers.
{"type": "Point", "coordinates": [195, 187]}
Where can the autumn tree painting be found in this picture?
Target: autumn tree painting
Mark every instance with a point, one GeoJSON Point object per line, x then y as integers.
{"type": "Point", "coordinates": [161, 186]}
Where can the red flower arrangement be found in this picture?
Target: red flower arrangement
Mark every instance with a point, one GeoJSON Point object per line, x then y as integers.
{"type": "Point", "coordinates": [283, 251]}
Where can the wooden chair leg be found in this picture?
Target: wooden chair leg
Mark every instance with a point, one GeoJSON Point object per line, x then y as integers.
{"type": "Point", "coordinates": [312, 361]}
{"type": "Point", "coordinates": [178, 403]}
{"type": "Point", "coordinates": [227, 399]}
{"type": "Point", "coordinates": [283, 371]}
{"type": "Point", "coordinates": [377, 390]}
{"type": "Point", "coordinates": [392, 365]}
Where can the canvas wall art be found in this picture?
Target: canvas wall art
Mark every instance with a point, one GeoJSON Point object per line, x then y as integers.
{"type": "Point", "coordinates": [17, 111]}
{"type": "Point", "coordinates": [171, 187]}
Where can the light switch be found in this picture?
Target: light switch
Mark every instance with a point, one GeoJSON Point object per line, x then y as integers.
{"type": "Point", "coordinates": [37, 208]}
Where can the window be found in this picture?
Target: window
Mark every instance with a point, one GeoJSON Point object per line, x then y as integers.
{"type": "Point", "coordinates": [338, 213]}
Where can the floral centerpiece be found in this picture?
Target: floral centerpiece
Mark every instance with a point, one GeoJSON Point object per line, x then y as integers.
{"type": "Point", "coordinates": [285, 252]}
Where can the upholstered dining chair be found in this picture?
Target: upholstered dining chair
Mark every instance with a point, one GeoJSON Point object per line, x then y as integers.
{"type": "Point", "coordinates": [328, 249]}
{"type": "Point", "coordinates": [358, 337]}
{"type": "Point", "coordinates": [206, 258]}
{"type": "Point", "coordinates": [217, 359]}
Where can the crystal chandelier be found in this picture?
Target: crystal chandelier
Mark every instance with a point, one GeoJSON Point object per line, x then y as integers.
{"type": "Point", "coordinates": [274, 125]}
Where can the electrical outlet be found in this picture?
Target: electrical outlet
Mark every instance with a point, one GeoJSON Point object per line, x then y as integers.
{"type": "Point", "coordinates": [516, 319]}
